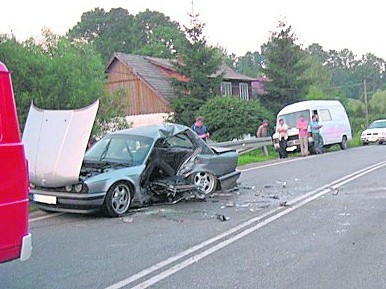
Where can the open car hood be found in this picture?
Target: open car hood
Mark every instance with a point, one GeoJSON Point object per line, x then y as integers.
{"type": "Point", "coordinates": [55, 142]}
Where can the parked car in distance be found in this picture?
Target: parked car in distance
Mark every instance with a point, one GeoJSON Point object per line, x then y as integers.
{"type": "Point", "coordinates": [15, 239]}
{"type": "Point", "coordinates": [136, 167]}
{"type": "Point", "coordinates": [375, 133]}
{"type": "Point", "coordinates": [332, 115]}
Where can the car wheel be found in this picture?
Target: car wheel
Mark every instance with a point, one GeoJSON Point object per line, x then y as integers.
{"type": "Point", "coordinates": [206, 181]}
{"type": "Point", "coordinates": [365, 143]}
{"type": "Point", "coordinates": [118, 199]}
{"type": "Point", "coordinates": [343, 144]}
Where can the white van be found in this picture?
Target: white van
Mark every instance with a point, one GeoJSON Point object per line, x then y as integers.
{"type": "Point", "coordinates": [332, 115]}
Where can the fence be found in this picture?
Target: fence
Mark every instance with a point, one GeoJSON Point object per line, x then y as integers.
{"type": "Point", "coordinates": [245, 145]}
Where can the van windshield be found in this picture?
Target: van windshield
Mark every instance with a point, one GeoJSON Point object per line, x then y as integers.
{"type": "Point", "coordinates": [292, 118]}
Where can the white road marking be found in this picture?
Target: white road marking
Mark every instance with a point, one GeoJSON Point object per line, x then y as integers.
{"type": "Point", "coordinates": [280, 212]}
{"type": "Point", "coordinates": [44, 217]}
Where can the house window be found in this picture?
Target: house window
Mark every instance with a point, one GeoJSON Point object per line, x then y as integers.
{"type": "Point", "coordinates": [244, 93]}
{"type": "Point", "coordinates": [226, 88]}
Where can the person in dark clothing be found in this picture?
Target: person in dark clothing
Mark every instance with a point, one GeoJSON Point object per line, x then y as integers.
{"type": "Point", "coordinates": [199, 128]}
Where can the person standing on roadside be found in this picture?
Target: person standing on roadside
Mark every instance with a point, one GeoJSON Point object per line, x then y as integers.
{"type": "Point", "coordinates": [199, 128]}
{"type": "Point", "coordinates": [282, 129]}
{"type": "Point", "coordinates": [262, 130]}
{"type": "Point", "coordinates": [315, 130]}
{"type": "Point", "coordinates": [302, 126]}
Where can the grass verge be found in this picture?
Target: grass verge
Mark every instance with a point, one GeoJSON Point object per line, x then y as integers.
{"type": "Point", "coordinates": [32, 207]}
{"type": "Point", "coordinates": [256, 156]}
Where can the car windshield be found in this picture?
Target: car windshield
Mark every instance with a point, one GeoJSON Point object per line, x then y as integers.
{"type": "Point", "coordinates": [116, 148]}
{"type": "Point", "coordinates": [292, 118]}
{"type": "Point", "coordinates": [378, 124]}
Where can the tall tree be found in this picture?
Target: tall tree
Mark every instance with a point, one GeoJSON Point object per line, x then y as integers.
{"type": "Point", "coordinates": [250, 64]}
{"type": "Point", "coordinates": [109, 31]}
{"type": "Point", "coordinates": [149, 32]}
{"type": "Point", "coordinates": [284, 68]}
{"type": "Point", "coordinates": [199, 63]}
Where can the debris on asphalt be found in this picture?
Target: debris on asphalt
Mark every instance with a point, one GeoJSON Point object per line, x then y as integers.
{"type": "Point", "coordinates": [221, 195]}
{"type": "Point", "coordinates": [245, 205]}
{"type": "Point", "coordinates": [284, 185]}
{"type": "Point", "coordinates": [246, 187]}
{"type": "Point", "coordinates": [230, 204]}
{"type": "Point", "coordinates": [283, 204]}
{"type": "Point", "coordinates": [334, 191]}
{"type": "Point", "coordinates": [222, 217]}
{"type": "Point", "coordinates": [127, 219]}
{"type": "Point", "coordinates": [268, 186]}
{"type": "Point", "coordinates": [276, 197]}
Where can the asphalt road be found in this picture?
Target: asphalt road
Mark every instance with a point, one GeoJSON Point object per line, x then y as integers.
{"type": "Point", "coordinates": [314, 222]}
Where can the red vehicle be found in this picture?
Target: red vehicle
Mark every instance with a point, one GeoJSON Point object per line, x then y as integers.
{"type": "Point", "coordinates": [15, 240]}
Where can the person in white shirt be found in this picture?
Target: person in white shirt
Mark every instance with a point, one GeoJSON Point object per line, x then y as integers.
{"type": "Point", "coordinates": [282, 129]}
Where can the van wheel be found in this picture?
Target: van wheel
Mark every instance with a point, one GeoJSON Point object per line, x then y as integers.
{"type": "Point", "coordinates": [118, 199]}
{"type": "Point", "coordinates": [343, 144]}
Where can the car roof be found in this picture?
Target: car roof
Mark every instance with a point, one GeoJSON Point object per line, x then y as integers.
{"type": "Point", "coordinates": [309, 104]}
{"type": "Point", "coordinates": [379, 120]}
{"type": "Point", "coordinates": [154, 131]}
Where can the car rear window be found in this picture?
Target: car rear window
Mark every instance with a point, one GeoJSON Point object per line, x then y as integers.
{"type": "Point", "coordinates": [378, 124]}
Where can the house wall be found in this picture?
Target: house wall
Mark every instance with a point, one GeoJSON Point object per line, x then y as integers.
{"type": "Point", "coordinates": [142, 99]}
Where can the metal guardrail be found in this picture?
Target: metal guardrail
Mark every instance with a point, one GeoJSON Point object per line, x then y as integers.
{"type": "Point", "coordinates": [244, 145]}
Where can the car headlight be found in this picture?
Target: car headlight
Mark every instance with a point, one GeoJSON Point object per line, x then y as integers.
{"type": "Point", "coordinates": [78, 188]}
{"type": "Point", "coordinates": [68, 188]}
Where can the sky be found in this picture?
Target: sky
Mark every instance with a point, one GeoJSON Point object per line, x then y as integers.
{"type": "Point", "coordinates": [238, 26]}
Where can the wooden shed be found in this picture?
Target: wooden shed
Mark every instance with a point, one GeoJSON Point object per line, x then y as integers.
{"type": "Point", "coordinates": [147, 82]}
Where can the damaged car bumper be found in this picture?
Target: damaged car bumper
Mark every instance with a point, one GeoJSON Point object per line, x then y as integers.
{"type": "Point", "coordinates": [229, 181]}
{"type": "Point", "coordinates": [67, 202]}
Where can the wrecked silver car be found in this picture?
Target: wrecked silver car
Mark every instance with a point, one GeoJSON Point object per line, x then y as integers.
{"type": "Point", "coordinates": [167, 162]}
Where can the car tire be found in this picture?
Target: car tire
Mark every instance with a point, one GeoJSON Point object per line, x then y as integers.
{"type": "Point", "coordinates": [365, 143]}
{"type": "Point", "coordinates": [207, 182]}
{"type": "Point", "coordinates": [343, 144]}
{"type": "Point", "coordinates": [118, 199]}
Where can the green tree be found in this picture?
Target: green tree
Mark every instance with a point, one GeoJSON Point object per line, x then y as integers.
{"type": "Point", "coordinates": [149, 32]}
{"type": "Point", "coordinates": [199, 63]}
{"type": "Point", "coordinates": [109, 31]}
{"type": "Point", "coordinates": [163, 42]}
{"type": "Point", "coordinates": [56, 74]}
{"type": "Point", "coordinates": [317, 52]}
{"type": "Point", "coordinates": [250, 64]}
{"type": "Point", "coordinates": [377, 104]}
{"type": "Point", "coordinates": [284, 68]}
{"type": "Point", "coordinates": [230, 117]}
{"type": "Point", "coordinates": [319, 78]}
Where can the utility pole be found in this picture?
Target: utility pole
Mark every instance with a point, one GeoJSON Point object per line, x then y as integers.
{"type": "Point", "coordinates": [366, 102]}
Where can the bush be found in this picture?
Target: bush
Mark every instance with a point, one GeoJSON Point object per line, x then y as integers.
{"type": "Point", "coordinates": [229, 117]}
